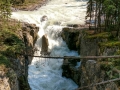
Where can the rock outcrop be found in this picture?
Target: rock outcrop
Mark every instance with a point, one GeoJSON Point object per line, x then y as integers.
{"type": "Point", "coordinates": [15, 77]}
{"type": "Point", "coordinates": [87, 74]}
{"type": "Point", "coordinates": [28, 7]}
{"type": "Point", "coordinates": [87, 44]}
{"type": "Point", "coordinates": [45, 44]}
{"type": "Point", "coordinates": [30, 36]}
{"type": "Point", "coordinates": [71, 69]}
{"type": "Point", "coordinates": [4, 81]}
{"type": "Point", "coordinates": [71, 36]}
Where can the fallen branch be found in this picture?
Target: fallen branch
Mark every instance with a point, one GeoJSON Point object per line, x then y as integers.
{"type": "Point", "coordinates": [74, 57]}
{"type": "Point", "coordinates": [104, 82]}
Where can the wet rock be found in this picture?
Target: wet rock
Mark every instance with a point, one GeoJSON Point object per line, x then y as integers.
{"type": "Point", "coordinates": [90, 71]}
{"type": "Point", "coordinates": [88, 47]}
{"type": "Point", "coordinates": [70, 36]}
{"type": "Point", "coordinates": [45, 44]}
{"type": "Point", "coordinates": [44, 18]}
{"type": "Point", "coordinates": [69, 69]}
{"type": "Point", "coordinates": [30, 35]}
{"type": "Point", "coordinates": [18, 77]}
{"type": "Point", "coordinates": [73, 25]}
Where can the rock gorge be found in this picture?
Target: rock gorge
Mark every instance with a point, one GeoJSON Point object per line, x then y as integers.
{"type": "Point", "coordinates": [81, 40]}
{"type": "Point", "coordinates": [88, 44]}
{"type": "Point", "coordinates": [77, 39]}
{"type": "Point", "coordinates": [15, 77]}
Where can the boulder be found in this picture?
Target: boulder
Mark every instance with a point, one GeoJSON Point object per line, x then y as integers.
{"type": "Point", "coordinates": [44, 18]}
{"type": "Point", "coordinates": [30, 36]}
{"type": "Point", "coordinates": [70, 36]}
{"type": "Point", "coordinates": [45, 44]}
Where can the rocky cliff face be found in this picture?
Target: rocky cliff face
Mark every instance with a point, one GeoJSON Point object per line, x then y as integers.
{"type": "Point", "coordinates": [15, 78]}
{"type": "Point", "coordinates": [71, 37]}
{"type": "Point", "coordinates": [4, 81]}
{"type": "Point", "coordinates": [29, 32]}
{"type": "Point", "coordinates": [79, 39]}
{"type": "Point", "coordinates": [90, 71]}
{"type": "Point", "coordinates": [29, 36]}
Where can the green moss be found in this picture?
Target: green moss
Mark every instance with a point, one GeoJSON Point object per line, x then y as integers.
{"type": "Point", "coordinates": [10, 43]}
{"type": "Point", "coordinates": [109, 44]}
{"type": "Point", "coordinates": [118, 52]}
{"type": "Point", "coordinates": [109, 65]}
{"type": "Point", "coordinates": [105, 66]}
{"type": "Point", "coordinates": [23, 83]}
{"type": "Point", "coordinates": [117, 67]}
{"type": "Point", "coordinates": [4, 60]}
{"type": "Point", "coordinates": [99, 35]}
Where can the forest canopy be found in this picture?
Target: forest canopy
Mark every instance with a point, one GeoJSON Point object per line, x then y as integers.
{"type": "Point", "coordinates": [105, 14]}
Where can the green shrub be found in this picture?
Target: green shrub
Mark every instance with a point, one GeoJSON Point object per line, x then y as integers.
{"type": "Point", "coordinates": [4, 60]}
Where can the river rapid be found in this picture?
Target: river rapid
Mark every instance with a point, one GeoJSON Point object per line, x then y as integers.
{"type": "Point", "coordinates": [46, 74]}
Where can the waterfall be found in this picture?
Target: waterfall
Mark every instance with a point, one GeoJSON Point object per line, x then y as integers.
{"type": "Point", "coordinates": [46, 74]}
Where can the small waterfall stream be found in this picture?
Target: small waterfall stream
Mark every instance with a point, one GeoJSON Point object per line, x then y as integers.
{"type": "Point", "coordinates": [47, 74]}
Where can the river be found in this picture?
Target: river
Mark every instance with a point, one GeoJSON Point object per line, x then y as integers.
{"type": "Point", "coordinates": [46, 74]}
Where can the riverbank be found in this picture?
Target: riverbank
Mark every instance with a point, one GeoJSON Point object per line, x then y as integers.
{"type": "Point", "coordinates": [29, 6]}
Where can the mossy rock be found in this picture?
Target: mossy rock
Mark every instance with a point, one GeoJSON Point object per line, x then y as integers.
{"type": "Point", "coordinates": [23, 83]}
{"type": "Point", "coordinates": [110, 44]}
{"type": "Point", "coordinates": [4, 60]}
{"type": "Point", "coordinates": [99, 35]}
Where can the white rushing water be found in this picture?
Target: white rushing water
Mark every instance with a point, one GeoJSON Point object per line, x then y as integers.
{"type": "Point", "coordinates": [44, 74]}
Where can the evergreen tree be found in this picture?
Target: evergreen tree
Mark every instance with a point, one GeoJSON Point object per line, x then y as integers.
{"type": "Point", "coordinates": [90, 11]}
{"type": "Point", "coordinates": [106, 14]}
{"type": "Point", "coordinates": [5, 10]}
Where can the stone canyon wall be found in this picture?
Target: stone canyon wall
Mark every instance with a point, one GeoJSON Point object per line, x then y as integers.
{"type": "Point", "coordinates": [90, 71]}
{"type": "Point", "coordinates": [15, 77]}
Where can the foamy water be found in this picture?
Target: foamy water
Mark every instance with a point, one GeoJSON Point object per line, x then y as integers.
{"type": "Point", "coordinates": [44, 74]}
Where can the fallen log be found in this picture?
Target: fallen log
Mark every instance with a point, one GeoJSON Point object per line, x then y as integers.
{"type": "Point", "coordinates": [104, 82]}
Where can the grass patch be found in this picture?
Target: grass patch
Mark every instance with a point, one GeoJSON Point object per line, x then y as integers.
{"type": "Point", "coordinates": [10, 42]}
{"type": "Point", "coordinates": [110, 44]}
{"type": "Point", "coordinates": [99, 35]}
{"type": "Point", "coordinates": [4, 61]}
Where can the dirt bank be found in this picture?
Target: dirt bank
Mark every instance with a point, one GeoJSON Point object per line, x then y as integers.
{"type": "Point", "coordinates": [29, 6]}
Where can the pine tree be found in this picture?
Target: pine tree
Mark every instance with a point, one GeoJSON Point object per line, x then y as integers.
{"type": "Point", "coordinates": [106, 14]}
{"type": "Point", "coordinates": [90, 11]}
{"type": "Point", "coordinates": [5, 11]}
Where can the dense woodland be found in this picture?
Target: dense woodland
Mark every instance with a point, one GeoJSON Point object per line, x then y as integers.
{"type": "Point", "coordinates": [104, 14]}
